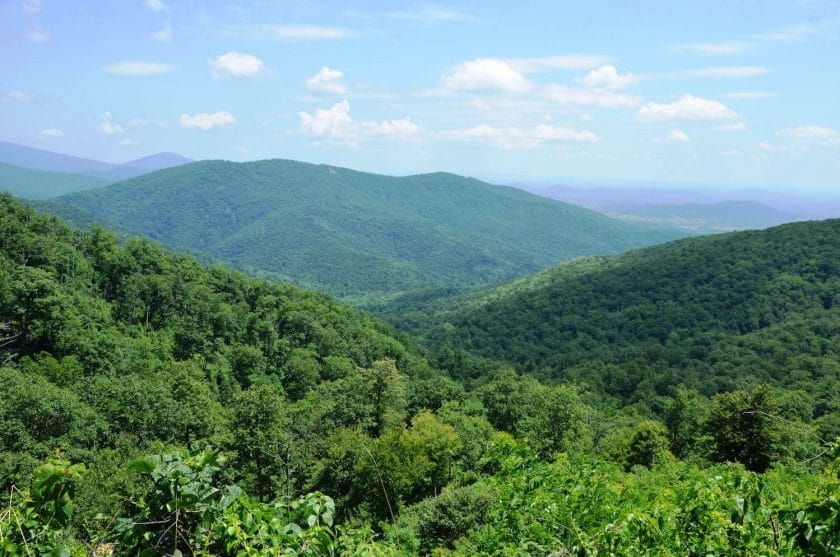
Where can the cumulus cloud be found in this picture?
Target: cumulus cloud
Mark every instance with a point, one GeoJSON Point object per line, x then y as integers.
{"type": "Point", "coordinates": [138, 68]}
{"type": "Point", "coordinates": [687, 107]}
{"type": "Point", "coordinates": [818, 135]}
{"type": "Point", "coordinates": [736, 127]}
{"type": "Point", "coordinates": [583, 96]}
{"type": "Point", "coordinates": [107, 127]}
{"type": "Point", "coordinates": [549, 63]}
{"type": "Point", "coordinates": [335, 123]}
{"type": "Point", "coordinates": [327, 80]}
{"type": "Point", "coordinates": [52, 132]}
{"type": "Point", "coordinates": [207, 120]}
{"type": "Point", "coordinates": [485, 74]}
{"type": "Point", "coordinates": [609, 78]}
{"type": "Point", "coordinates": [157, 5]}
{"type": "Point", "coordinates": [165, 34]}
{"type": "Point", "coordinates": [516, 138]}
{"type": "Point", "coordinates": [236, 65]}
{"type": "Point", "coordinates": [729, 71]}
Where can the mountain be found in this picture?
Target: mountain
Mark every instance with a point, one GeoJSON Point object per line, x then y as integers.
{"type": "Point", "coordinates": [353, 233]}
{"type": "Point", "coordinates": [715, 204]}
{"type": "Point", "coordinates": [714, 313]}
{"type": "Point", "coordinates": [39, 159]}
{"type": "Point", "coordinates": [39, 184]}
{"type": "Point", "coordinates": [723, 216]}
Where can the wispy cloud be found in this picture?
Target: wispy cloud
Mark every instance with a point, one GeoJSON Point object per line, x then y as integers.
{"type": "Point", "coordinates": [729, 71]}
{"type": "Point", "coordinates": [564, 62]}
{"type": "Point", "coordinates": [716, 48]}
{"type": "Point", "coordinates": [518, 138]}
{"type": "Point", "coordinates": [788, 33]}
{"type": "Point", "coordinates": [267, 32]}
{"type": "Point", "coordinates": [107, 127]}
{"type": "Point", "coordinates": [584, 96]}
{"type": "Point", "coordinates": [52, 132]}
{"type": "Point", "coordinates": [16, 96]}
{"type": "Point", "coordinates": [31, 6]}
{"type": "Point", "coordinates": [165, 34]}
{"type": "Point", "coordinates": [37, 35]}
{"type": "Point", "coordinates": [687, 107]}
{"type": "Point", "coordinates": [207, 120]}
{"type": "Point", "coordinates": [814, 134]}
{"type": "Point", "coordinates": [138, 68]}
{"type": "Point", "coordinates": [749, 95]}
{"type": "Point", "coordinates": [430, 13]}
{"type": "Point", "coordinates": [736, 127]}
{"type": "Point", "coordinates": [156, 5]}
{"type": "Point", "coordinates": [675, 135]}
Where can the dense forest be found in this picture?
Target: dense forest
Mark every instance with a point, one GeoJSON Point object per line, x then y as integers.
{"type": "Point", "coordinates": [153, 405]}
{"type": "Point", "coordinates": [383, 234]}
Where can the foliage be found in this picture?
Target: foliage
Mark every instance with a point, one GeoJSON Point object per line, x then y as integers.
{"type": "Point", "coordinates": [378, 234]}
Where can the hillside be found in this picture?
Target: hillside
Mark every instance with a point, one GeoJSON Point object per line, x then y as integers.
{"type": "Point", "coordinates": [354, 234]}
{"type": "Point", "coordinates": [712, 313]}
{"type": "Point", "coordinates": [38, 184]}
{"type": "Point", "coordinates": [152, 405]}
{"type": "Point", "coordinates": [43, 160]}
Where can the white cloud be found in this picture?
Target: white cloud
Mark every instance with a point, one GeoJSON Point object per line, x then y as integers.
{"type": "Point", "coordinates": [107, 127]}
{"type": "Point", "coordinates": [549, 63]}
{"type": "Point", "coordinates": [430, 13]}
{"type": "Point", "coordinates": [236, 65]}
{"type": "Point", "coordinates": [677, 136]}
{"type": "Point", "coordinates": [517, 138]}
{"type": "Point", "coordinates": [31, 6]}
{"type": "Point", "coordinates": [485, 74]}
{"type": "Point", "coordinates": [138, 68]}
{"type": "Point", "coordinates": [788, 33]}
{"type": "Point", "coordinates": [126, 141]}
{"type": "Point", "coordinates": [687, 107]}
{"type": "Point", "coordinates": [207, 121]}
{"type": "Point", "coordinates": [736, 127]}
{"type": "Point", "coordinates": [729, 71]}
{"type": "Point", "coordinates": [328, 80]}
{"type": "Point", "coordinates": [719, 48]}
{"type": "Point", "coordinates": [138, 122]}
{"type": "Point", "coordinates": [37, 35]}
{"type": "Point", "coordinates": [402, 128]}
{"type": "Point", "coordinates": [16, 96]}
{"type": "Point", "coordinates": [749, 95]}
{"type": "Point", "coordinates": [52, 132]}
{"type": "Point", "coordinates": [818, 135]}
{"type": "Point", "coordinates": [609, 78]}
{"type": "Point", "coordinates": [157, 5]}
{"type": "Point", "coordinates": [336, 123]}
{"type": "Point", "coordinates": [165, 34]}
{"type": "Point", "coordinates": [303, 32]}
{"type": "Point", "coordinates": [589, 97]}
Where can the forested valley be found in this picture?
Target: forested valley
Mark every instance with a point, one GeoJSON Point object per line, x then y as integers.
{"type": "Point", "coordinates": [665, 402]}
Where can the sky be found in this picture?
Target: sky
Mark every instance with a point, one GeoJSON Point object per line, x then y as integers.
{"type": "Point", "coordinates": [727, 94]}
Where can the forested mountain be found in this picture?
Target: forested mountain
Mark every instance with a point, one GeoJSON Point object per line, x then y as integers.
{"type": "Point", "coordinates": [38, 184]}
{"type": "Point", "coordinates": [713, 313]}
{"type": "Point", "coordinates": [150, 405]}
{"type": "Point", "coordinates": [40, 159]}
{"type": "Point", "coordinates": [352, 233]}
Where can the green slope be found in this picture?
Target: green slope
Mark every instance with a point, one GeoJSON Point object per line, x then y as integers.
{"type": "Point", "coordinates": [714, 313]}
{"type": "Point", "coordinates": [38, 184]}
{"type": "Point", "coordinates": [352, 233]}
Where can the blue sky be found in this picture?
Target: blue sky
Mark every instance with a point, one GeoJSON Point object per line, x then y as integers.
{"type": "Point", "coordinates": [726, 94]}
